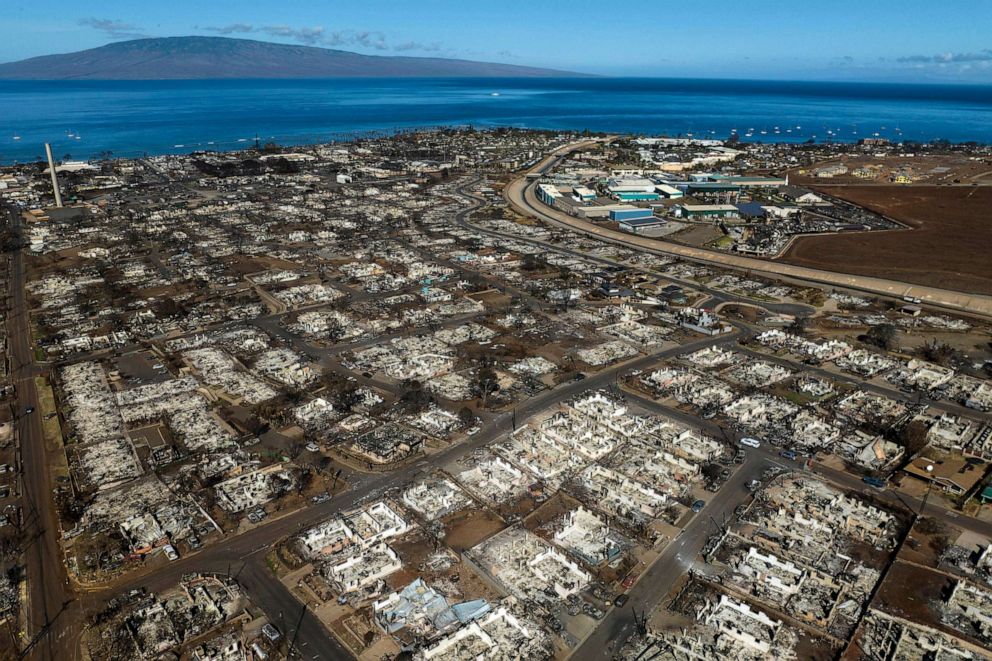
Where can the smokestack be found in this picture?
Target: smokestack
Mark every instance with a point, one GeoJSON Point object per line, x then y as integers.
{"type": "Point", "coordinates": [55, 179]}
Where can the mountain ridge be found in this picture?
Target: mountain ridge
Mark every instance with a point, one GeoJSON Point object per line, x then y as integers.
{"type": "Point", "coordinates": [192, 58]}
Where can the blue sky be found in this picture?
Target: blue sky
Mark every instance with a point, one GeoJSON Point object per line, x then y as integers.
{"type": "Point", "coordinates": [872, 40]}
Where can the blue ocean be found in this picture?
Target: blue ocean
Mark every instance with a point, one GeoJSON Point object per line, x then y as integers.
{"type": "Point", "coordinates": [130, 118]}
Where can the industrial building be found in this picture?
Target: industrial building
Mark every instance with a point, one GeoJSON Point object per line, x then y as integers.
{"type": "Point", "coordinates": [643, 226]}
{"type": "Point", "coordinates": [706, 211]}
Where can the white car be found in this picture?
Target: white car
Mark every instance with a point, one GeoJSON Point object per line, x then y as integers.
{"type": "Point", "coordinates": [170, 552]}
{"type": "Point", "coordinates": [750, 442]}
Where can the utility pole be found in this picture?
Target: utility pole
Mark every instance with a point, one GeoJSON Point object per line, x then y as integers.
{"type": "Point", "coordinates": [296, 632]}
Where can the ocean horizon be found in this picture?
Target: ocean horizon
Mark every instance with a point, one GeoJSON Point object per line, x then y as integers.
{"type": "Point", "coordinates": [86, 119]}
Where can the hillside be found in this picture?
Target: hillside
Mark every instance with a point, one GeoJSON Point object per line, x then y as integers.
{"type": "Point", "coordinates": [179, 58]}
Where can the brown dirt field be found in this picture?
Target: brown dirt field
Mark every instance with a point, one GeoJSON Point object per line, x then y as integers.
{"type": "Point", "coordinates": [466, 528]}
{"type": "Point", "coordinates": [555, 507]}
{"type": "Point", "coordinates": [909, 592]}
{"type": "Point", "coordinates": [697, 235]}
{"type": "Point", "coordinates": [949, 245]}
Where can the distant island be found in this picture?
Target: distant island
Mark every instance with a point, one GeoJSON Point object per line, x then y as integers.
{"type": "Point", "coordinates": [185, 58]}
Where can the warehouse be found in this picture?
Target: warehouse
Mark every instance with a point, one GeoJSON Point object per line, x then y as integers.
{"type": "Point", "coordinates": [714, 191]}
{"type": "Point", "coordinates": [583, 194]}
{"type": "Point", "coordinates": [706, 211]}
{"type": "Point", "coordinates": [622, 215]}
{"type": "Point", "coordinates": [601, 211]}
{"type": "Point", "coordinates": [669, 192]}
{"type": "Point", "coordinates": [632, 189]}
{"type": "Point", "coordinates": [548, 194]}
{"type": "Point", "coordinates": [643, 226]}
{"type": "Point", "coordinates": [636, 196]}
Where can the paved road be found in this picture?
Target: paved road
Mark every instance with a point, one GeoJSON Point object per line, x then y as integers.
{"type": "Point", "coordinates": [520, 194]}
{"type": "Point", "coordinates": [674, 561]}
{"type": "Point", "coordinates": [300, 627]}
{"type": "Point", "coordinates": [716, 297]}
{"type": "Point", "coordinates": [54, 620]}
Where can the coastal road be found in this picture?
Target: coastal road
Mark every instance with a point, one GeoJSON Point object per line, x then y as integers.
{"type": "Point", "coordinates": [520, 195]}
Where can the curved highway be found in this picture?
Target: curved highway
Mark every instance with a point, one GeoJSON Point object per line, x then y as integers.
{"type": "Point", "coordinates": [520, 195]}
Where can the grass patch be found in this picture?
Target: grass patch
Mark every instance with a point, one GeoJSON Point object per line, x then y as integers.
{"type": "Point", "coordinates": [797, 398]}
{"type": "Point", "coordinates": [50, 428]}
{"type": "Point", "coordinates": [273, 563]}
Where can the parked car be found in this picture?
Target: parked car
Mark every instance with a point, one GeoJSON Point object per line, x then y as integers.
{"type": "Point", "coordinates": [620, 600]}
{"type": "Point", "coordinates": [788, 454]}
{"type": "Point", "coordinates": [270, 632]}
{"type": "Point", "coordinates": [750, 442]}
{"type": "Point", "coordinates": [170, 552]}
{"type": "Point", "coordinates": [874, 482]}
{"type": "Point", "coordinates": [698, 505]}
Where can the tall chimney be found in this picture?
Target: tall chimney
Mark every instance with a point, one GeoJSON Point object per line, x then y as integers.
{"type": "Point", "coordinates": [55, 179]}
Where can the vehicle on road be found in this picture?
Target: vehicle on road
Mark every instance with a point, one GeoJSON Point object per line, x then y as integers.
{"type": "Point", "coordinates": [874, 482]}
{"type": "Point", "coordinates": [620, 600]}
{"type": "Point", "coordinates": [28, 410]}
{"type": "Point", "coordinates": [698, 505]}
{"type": "Point", "coordinates": [750, 442]}
{"type": "Point", "coordinates": [788, 454]}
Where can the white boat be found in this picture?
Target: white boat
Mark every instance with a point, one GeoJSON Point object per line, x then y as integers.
{"type": "Point", "coordinates": [17, 137]}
